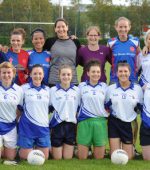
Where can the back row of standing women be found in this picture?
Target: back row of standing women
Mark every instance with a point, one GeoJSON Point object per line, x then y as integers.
{"type": "Point", "coordinates": [124, 48]}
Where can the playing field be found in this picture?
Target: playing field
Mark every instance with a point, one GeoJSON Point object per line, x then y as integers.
{"type": "Point", "coordinates": [89, 164]}
{"type": "Point", "coordinates": [75, 164]}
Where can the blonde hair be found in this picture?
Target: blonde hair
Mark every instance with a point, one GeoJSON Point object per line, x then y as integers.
{"type": "Point", "coordinates": [122, 18]}
{"type": "Point", "coordinates": [96, 28]}
{"type": "Point", "coordinates": [8, 65]}
{"type": "Point", "coordinates": [146, 36]}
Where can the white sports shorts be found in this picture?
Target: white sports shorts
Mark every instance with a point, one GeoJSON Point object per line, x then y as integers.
{"type": "Point", "coordinates": [9, 140]}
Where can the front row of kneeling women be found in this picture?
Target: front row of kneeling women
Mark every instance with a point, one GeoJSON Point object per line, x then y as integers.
{"type": "Point", "coordinates": [86, 104]}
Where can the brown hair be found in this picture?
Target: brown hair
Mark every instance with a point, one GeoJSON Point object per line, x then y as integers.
{"type": "Point", "coordinates": [38, 30]}
{"type": "Point", "coordinates": [92, 62]}
{"type": "Point", "coordinates": [19, 31]}
{"type": "Point", "coordinates": [60, 19]}
{"type": "Point", "coordinates": [123, 64]}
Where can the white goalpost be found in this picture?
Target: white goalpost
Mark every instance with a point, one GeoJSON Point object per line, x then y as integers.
{"type": "Point", "coordinates": [34, 23]}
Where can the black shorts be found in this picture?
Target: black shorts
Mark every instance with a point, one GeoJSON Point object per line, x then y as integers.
{"type": "Point", "coordinates": [144, 135]}
{"type": "Point", "coordinates": [63, 133]}
{"type": "Point", "coordinates": [119, 129]}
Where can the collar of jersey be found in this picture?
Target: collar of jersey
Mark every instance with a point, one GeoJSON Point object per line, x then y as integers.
{"type": "Point", "coordinates": [10, 87]}
{"type": "Point", "coordinates": [35, 87]}
{"type": "Point", "coordinates": [98, 84]}
{"type": "Point", "coordinates": [123, 41]}
{"type": "Point", "coordinates": [130, 87]}
{"type": "Point", "coordinates": [36, 51]}
{"type": "Point", "coordinates": [59, 87]}
{"type": "Point", "coordinates": [62, 39]}
{"type": "Point", "coordinates": [11, 49]}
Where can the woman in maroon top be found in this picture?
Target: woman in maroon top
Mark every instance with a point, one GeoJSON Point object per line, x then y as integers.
{"type": "Point", "coordinates": [94, 51]}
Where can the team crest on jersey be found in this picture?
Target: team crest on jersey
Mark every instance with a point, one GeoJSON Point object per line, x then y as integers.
{"type": "Point", "coordinates": [11, 60]}
{"type": "Point", "coordinates": [47, 59]}
{"type": "Point", "coordinates": [39, 96]}
{"type": "Point", "coordinates": [132, 49]}
{"type": "Point", "coordinates": [113, 38]}
{"type": "Point", "coordinates": [94, 92]}
{"type": "Point", "coordinates": [124, 96]}
{"type": "Point", "coordinates": [5, 96]}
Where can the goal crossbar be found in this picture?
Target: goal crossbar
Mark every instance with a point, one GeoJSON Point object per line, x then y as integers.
{"type": "Point", "coordinates": [11, 22]}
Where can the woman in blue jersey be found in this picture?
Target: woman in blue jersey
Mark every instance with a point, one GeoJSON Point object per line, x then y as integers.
{"type": "Point", "coordinates": [124, 47]}
{"type": "Point", "coordinates": [92, 123]}
{"type": "Point", "coordinates": [63, 51]}
{"type": "Point", "coordinates": [144, 64]}
{"type": "Point", "coordinates": [37, 55]}
{"type": "Point", "coordinates": [11, 96]}
{"type": "Point", "coordinates": [122, 98]}
{"type": "Point", "coordinates": [65, 101]}
{"type": "Point", "coordinates": [34, 121]}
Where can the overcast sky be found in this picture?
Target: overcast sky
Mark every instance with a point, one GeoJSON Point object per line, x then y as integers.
{"type": "Point", "coordinates": [65, 2]}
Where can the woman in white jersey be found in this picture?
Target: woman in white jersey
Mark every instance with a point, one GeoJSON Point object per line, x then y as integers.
{"type": "Point", "coordinates": [10, 97]}
{"type": "Point", "coordinates": [92, 126]}
{"type": "Point", "coordinates": [144, 63]}
{"type": "Point", "coordinates": [122, 98]}
{"type": "Point", "coordinates": [34, 121]}
{"type": "Point", "coordinates": [65, 101]}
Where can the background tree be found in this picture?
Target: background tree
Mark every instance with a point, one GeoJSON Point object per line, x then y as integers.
{"type": "Point", "coordinates": [101, 13]}
{"type": "Point", "coordinates": [26, 11]}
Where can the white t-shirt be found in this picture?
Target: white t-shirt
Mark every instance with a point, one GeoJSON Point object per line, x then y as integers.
{"type": "Point", "coordinates": [65, 103]}
{"type": "Point", "coordinates": [92, 100]}
{"type": "Point", "coordinates": [123, 101]}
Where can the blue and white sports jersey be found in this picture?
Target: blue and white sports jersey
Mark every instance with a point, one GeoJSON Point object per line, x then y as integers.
{"type": "Point", "coordinates": [122, 102]}
{"type": "Point", "coordinates": [146, 107]}
{"type": "Point", "coordinates": [10, 98]}
{"type": "Point", "coordinates": [124, 51]}
{"type": "Point", "coordinates": [144, 62]}
{"type": "Point", "coordinates": [65, 103]}
{"type": "Point", "coordinates": [92, 101]}
{"type": "Point", "coordinates": [43, 59]}
{"type": "Point", "coordinates": [34, 121]}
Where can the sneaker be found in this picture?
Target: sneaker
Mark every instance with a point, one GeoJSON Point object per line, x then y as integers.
{"type": "Point", "coordinates": [7, 162]}
{"type": "Point", "coordinates": [90, 153]}
{"type": "Point", "coordinates": [136, 152]}
{"type": "Point", "coordinates": [75, 151]}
